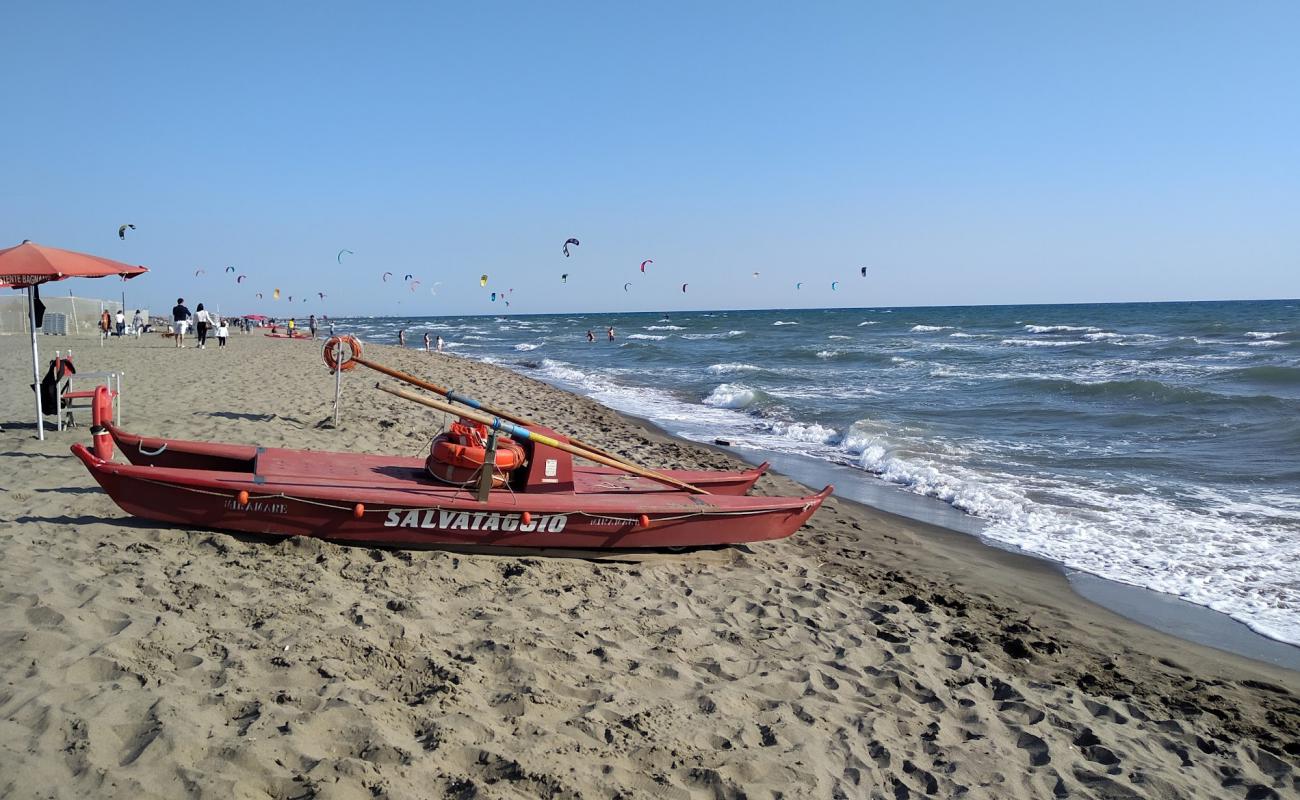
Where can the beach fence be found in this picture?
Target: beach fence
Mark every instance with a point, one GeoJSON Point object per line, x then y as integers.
{"type": "Point", "coordinates": [64, 315]}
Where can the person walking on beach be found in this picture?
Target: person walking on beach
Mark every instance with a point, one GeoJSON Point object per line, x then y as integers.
{"type": "Point", "coordinates": [121, 323]}
{"type": "Point", "coordinates": [202, 319]}
{"type": "Point", "coordinates": [292, 326]}
{"type": "Point", "coordinates": [401, 337]}
{"type": "Point", "coordinates": [137, 323]}
{"type": "Point", "coordinates": [438, 343]}
{"type": "Point", "coordinates": [611, 333]}
{"type": "Point", "coordinates": [591, 337]}
{"type": "Point", "coordinates": [105, 324]}
{"type": "Point", "coordinates": [222, 333]}
{"type": "Point", "coordinates": [426, 341]}
{"type": "Point", "coordinates": [180, 315]}
{"type": "Point", "coordinates": [311, 325]}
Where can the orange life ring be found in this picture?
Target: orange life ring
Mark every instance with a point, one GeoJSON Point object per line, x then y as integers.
{"type": "Point", "coordinates": [349, 361]}
{"type": "Point", "coordinates": [457, 456]}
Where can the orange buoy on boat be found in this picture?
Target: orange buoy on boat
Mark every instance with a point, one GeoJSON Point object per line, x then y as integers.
{"type": "Point", "coordinates": [242, 497]}
{"type": "Point", "coordinates": [359, 510]}
{"type": "Point", "coordinates": [457, 456]}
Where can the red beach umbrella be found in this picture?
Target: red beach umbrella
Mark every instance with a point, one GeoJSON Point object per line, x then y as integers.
{"type": "Point", "coordinates": [28, 264]}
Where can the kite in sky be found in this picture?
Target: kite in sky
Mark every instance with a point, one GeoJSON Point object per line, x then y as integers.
{"type": "Point", "coordinates": [121, 230]}
{"type": "Point", "coordinates": [568, 242]}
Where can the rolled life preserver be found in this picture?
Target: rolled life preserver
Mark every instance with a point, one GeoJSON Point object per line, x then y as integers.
{"type": "Point", "coordinates": [458, 455]}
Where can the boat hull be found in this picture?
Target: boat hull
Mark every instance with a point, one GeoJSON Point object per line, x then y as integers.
{"type": "Point", "coordinates": [360, 506]}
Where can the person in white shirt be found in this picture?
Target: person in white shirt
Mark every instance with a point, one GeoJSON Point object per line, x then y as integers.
{"type": "Point", "coordinates": [222, 333]}
{"type": "Point", "coordinates": [121, 323]}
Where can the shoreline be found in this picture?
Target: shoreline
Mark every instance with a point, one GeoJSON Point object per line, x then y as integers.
{"type": "Point", "coordinates": [1158, 611]}
{"type": "Point", "coordinates": [1177, 618]}
{"type": "Point", "coordinates": [866, 653]}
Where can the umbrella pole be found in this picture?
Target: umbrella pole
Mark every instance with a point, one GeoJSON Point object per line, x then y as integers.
{"type": "Point", "coordinates": [36, 364]}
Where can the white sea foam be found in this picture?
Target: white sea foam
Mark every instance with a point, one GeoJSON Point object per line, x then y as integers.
{"type": "Point", "coordinates": [838, 336]}
{"type": "Point", "coordinates": [869, 322]}
{"type": "Point", "coordinates": [1060, 328]}
{"type": "Point", "coordinates": [664, 328]}
{"type": "Point", "coordinates": [782, 322]}
{"type": "Point", "coordinates": [810, 432]}
{"type": "Point", "coordinates": [731, 395]}
{"type": "Point", "coordinates": [652, 337]}
{"type": "Point", "coordinates": [528, 345]}
{"type": "Point", "coordinates": [723, 369]}
{"type": "Point", "coordinates": [1266, 343]}
{"type": "Point", "coordinates": [1043, 342]}
{"type": "Point", "coordinates": [962, 335]}
{"type": "Point", "coordinates": [930, 328]}
{"type": "Point", "coordinates": [1103, 336]}
{"type": "Point", "coordinates": [944, 371]}
{"type": "Point", "coordinates": [727, 335]}
{"type": "Point", "coordinates": [1265, 334]}
{"type": "Point", "coordinates": [827, 353]}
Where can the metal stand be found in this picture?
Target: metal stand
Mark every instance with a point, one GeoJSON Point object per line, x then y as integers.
{"type": "Point", "coordinates": [338, 381]}
{"type": "Point", "coordinates": [488, 471]}
{"type": "Point", "coordinates": [36, 369]}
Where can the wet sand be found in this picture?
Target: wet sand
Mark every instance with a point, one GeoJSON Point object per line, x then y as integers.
{"type": "Point", "coordinates": [866, 656]}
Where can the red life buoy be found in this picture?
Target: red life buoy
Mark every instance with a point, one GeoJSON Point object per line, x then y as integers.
{"type": "Point", "coordinates": [458, 455]}
{"type": "Point", "coordinates": [348, 363]}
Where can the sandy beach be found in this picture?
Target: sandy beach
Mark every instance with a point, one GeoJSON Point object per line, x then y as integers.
{"type": "Point", "coordinates": [866, 656]}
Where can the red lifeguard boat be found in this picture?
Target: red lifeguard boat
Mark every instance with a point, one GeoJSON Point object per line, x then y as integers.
{"type": "Point", "coordinates": [393, 501]}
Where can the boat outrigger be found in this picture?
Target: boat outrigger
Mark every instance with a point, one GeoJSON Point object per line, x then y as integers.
{"type": "Point", "coordinates": [541, 498]}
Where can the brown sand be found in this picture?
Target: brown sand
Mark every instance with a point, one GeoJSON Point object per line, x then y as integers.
{"type": "Point", "coordinates": [866, 656]}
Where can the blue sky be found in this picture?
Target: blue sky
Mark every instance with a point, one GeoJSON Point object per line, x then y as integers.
{"type": "Point", "coordinates": [964, 152]}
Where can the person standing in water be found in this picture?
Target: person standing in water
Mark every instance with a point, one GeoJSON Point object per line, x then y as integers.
{"type": "Point", "coordinates": [401, 337]}
{"type": "Point", "coordinates": [591, 337]}
{"type": "Point", "coordinates": [438, 343]}
{"type": "Point", "coordinates": [426, 341]}
{"type": "Point", "coordinates": [611, 333]}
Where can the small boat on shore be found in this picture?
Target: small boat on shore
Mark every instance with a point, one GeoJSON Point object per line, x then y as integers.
{"type": "Point", "coordinates": [392, 501]}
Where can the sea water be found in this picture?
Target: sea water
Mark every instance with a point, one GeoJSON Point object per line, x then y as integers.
{"type": "Point", "coordinates": [1156, 444]}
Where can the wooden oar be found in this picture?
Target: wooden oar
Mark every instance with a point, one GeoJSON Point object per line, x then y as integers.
{"type": "Point", "coordinates": [496, 423]}
{"type": "Point", "coordinates": [456, 397]}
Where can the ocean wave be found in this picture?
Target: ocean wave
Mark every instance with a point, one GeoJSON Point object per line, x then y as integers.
{"type": "Point", "coordinates": [722, 369]}
{"type": "Point", "coordinates": [1139, 390]}
{"type": "Point", "coordinates": [1266, 343]}
{"type": "Point", "coordinates": [650, 336]}
{"type": "Point", "coordinates": [838, 336]}
{"type": "Point", "coordinates": [664, 328]}
{"type": "Point", "coordinates": [944, 371]}
{"type": "Point", "coordinates": [1275, 375]}
{"type": "Point", "coordinates": [731, 395]}
{"type": "Point", "coordinates": [1102, 336]}
{"type": "Point", "coordinates": [1043, 342]}
{"type": "Point", "coordinates": [828, 353]}
{"type": "Point", "coordinates": [869, 322]}
{"type": "Point", "coordinates": [727, 335]}
{"type": "Point", "coordinates": [1265, 334]}
{"type": "Point", "coordinates": [1060, 328]}
{"type": "Point", "coordinates": [528, 345]}
{"type": "Point", "coordinates": [809, 432]}
{"type": "Point", "coordinates": [783, 322]}
{"type": "Point", "coordinates": [962, 335]}
{"type": "Point", "coordinates": [930, 328]}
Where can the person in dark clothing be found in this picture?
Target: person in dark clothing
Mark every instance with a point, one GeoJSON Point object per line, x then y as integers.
{"type": "Point", "coordinates": [203, 320]}
{"type": "Point", "coordinates": [180, 316]}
